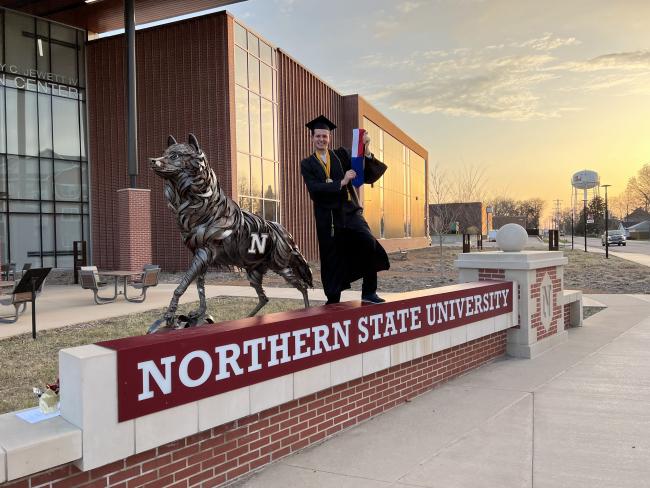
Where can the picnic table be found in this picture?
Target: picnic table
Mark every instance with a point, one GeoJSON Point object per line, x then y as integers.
{"type": "Point", "coordinates": [119, 275]}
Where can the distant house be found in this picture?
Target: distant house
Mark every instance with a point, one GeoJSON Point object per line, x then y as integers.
{"type": "Point", "coordinates": [456, 217]}
{"type": "Point", "coordinates": [640, 230]}
{"type": "Point", "coordinates": [636, 217]}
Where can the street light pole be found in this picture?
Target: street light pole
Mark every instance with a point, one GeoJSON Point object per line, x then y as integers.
{"type": "Point", "coordinates": [606, 224]}
{"type": "Point", "coordinates": [584, 211]}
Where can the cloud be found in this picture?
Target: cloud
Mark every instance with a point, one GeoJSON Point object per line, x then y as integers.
{"type": "Point", "coordinates": [512, 81]}
{"type": "Point", "coordinates": [408, 6]}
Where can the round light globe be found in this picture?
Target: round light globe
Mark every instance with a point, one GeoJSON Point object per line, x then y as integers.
{"type": "Point", "coordinates": [512, 238]}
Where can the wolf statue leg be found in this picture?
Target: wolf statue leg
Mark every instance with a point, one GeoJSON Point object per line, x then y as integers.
{"type": "Point", "coordinates": [197, 317]}
{"type": "Point", "coordinates": [291, 278]}
{"type": "Point", "coordinates": [199, 263]}
{"type": "Point", "coordinates": [255, 277]}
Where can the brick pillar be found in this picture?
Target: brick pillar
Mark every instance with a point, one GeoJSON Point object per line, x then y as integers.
{"type": "Point", "coordinates": [134, 228]}
{"type": "Point", "coordinates": [539, 275]}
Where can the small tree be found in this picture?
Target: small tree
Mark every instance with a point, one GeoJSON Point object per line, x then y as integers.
{"type": "Point", "coordinates": [442, 217]}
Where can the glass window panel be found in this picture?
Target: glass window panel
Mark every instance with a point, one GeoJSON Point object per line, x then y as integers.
{"type": "Point", "coordinates": [18, 206]}
{"type": "Point", "coordinates": [4, 242]}
{"type": "Point", "coordinates": [47, 237]}
{"type": "Point", "coordinates": [270, 212]}
{"type": "Point", "coordinates": [81, 64]}
{"type": "Point", "coordinates": [256, 177]}
{"type": "Point", "coordinates": [23, 178]}
{"type": "Point", "coordinates": [275, 86]}
{"type": "Point", "coordinates": [245, 203]}
{"type": "Point", "coordinates": [3, 205]}
{"type": "Point", "coordinates": [20, 49]}
{"type": "Point", "coordinates": [265, 52]}
{"type": "Point", "coordinates": [269, 180]}
{"type": "Point", "coordinates": [266, 81]}
{"type": "Point", "coordinates": [82, 129]}
{"type": "Point", "coordinates": [84, 182]}
{"type": "Point", "coordinates": [47, 180]}
{"type": "Point", "coordinates": [241, 113]}
{"type": "Point", "coordinates": [68, 230]}
{"type": "Point", "coordinates": [84, 208]}
{"type": "Point", "coordinates": [22, 122]}
{"type": "Point", "coordinates": [2, 38]}
{"type": "Point", "coordinates": [253, 74]}
{"type": "Point", "coordinates": [3, 180]}
{"type": "Point", "coordinates": [241, 67]}
{"type": "Point", "coordinates": [25, 236]}
{"type": "Point", "coordinates": [68, 208]}
{"type": "Point", "coordinates": [267, 129]}
{"type": "Point", "coordinates": [66, 35]}
{"type": "Point", "coordinates": [65, 116]}
{"type": "Point", "coordinates": [67, 181]}
{"type": "Point", "coordinates": [2, 118]}
{"type": "Point", "coordinates": [42, 49]}
{"type": "Point", "coordinates": [243, 174]}
{"type": "Point", "coordinates": [256, 207]}
{"type": "Point", "coordinates": [86, 222]}
{"type": "Point", "coordinates": [255, 129]}
{"type": "Point", "coordinates": [253, 44]}
{"type": "Point", "coordinates": [45, 125]}
{"type": "Point", "coordinates": [64, 62]}
{"type": "Point", "coordinates": [47, 207]}
{"type": "Point", "coordinates": [240, 35]}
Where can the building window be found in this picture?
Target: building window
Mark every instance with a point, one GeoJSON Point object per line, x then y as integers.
{"type": "Point", "coordinates": [256, 107]}
{"type": "Point", "coordinates": [395, 206]}
{"type": "Point", "coordinates": [43, 166]}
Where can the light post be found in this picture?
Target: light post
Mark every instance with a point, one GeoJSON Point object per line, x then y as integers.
{"type": "Point", "coordinates": [606, 224]}
{"type": "Point", "coordinates": [584, 212]}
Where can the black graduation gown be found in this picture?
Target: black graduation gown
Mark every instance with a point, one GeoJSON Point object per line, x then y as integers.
{"type": "Point", "coordinates": [343, 259]}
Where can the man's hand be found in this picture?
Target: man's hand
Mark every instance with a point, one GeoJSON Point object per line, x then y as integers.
{"type": "Point", "coordinates": [349, 176]}
{"type": "Point", "coordinates": [366, 145]}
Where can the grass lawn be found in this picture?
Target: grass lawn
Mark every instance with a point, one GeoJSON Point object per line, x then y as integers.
{"type": "Point", "coordinates": [27, 363]}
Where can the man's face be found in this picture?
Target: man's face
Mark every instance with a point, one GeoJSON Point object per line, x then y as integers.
{"type": "Point", "coordinates": [321, 139]}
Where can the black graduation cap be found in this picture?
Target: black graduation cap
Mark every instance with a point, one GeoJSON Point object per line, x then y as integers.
{"type": "Point", "coordinates": [320, 122]}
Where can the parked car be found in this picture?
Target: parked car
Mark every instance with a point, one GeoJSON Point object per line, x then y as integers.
{"type": "Point", "coordinates": [614, 238]}
{"type": "Point", "coordinates": [492, 235]}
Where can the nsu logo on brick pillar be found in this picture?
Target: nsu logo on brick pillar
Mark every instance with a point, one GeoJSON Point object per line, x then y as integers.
{"type": "Point", "coordinates": [546, 301]}
{"type": "Point", "coordinates": [258, 245]}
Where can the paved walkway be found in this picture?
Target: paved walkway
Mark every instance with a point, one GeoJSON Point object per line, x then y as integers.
{"type": "Point", "coordinates": [576, 416]}
{"type": "Point", "coordinates": [61, 305]}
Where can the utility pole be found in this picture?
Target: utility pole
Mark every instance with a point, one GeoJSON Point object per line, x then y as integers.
{"type": "Point", "coordinates": [606, 226]}
{"type": "Point", "coordinates": [557, 213]}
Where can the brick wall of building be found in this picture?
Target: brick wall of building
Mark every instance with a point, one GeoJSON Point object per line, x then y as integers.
{"type": "Point", "coordinates": [232, 450]}
{"type": "Point", "coordinates": [184, 77]}
{"type": "Point", "coordinates": [134, 228]}
{"type": "Point", "coordinates": [491, 274]}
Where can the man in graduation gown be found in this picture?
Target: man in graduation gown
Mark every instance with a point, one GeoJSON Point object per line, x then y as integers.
{"type": "Point", "coordinates": [348, 250]}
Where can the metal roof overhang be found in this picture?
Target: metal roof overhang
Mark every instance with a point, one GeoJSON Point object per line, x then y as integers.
{"type": "Point", "coordinates": [106, 15]}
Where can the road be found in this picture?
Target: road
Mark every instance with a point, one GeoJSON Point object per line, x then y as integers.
{"type": "Point", "coordinates": [594, 245]}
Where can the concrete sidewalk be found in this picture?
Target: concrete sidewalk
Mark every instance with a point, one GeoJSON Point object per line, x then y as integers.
{"type": "Point", "coordinates": [62, 305]}
{"type": "Point", "coordinates": [576, 416]}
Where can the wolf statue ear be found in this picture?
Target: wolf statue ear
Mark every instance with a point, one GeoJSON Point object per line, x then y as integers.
{"type": "Point", "coordinates": [194, 143]}
{"type": "Point", "coordinates": [171, 141]}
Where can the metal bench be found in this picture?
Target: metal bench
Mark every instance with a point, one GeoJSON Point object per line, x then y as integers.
{"type": "Point", "coordinates": [148, 279]}
{"type": "Point", "coordinates": [89, 280]}
{"type": "Point", "coordinates": [19, 302]}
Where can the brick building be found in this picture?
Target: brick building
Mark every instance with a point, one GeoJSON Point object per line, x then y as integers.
{"type": "Point", "coordinates": [63, 140]}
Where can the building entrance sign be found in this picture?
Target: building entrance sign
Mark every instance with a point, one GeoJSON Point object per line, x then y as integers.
{"type": "Point", "coordinates": [43, 82]}
{"type": "Point", "coordinates": [159, 372]}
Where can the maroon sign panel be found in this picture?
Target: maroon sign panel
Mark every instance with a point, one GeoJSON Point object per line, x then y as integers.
{"type": "Point", "coordinates": [162, 371]}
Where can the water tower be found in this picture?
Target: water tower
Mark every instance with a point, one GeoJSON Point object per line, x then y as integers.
{"type": "Point", "coordinates": [584, 180]}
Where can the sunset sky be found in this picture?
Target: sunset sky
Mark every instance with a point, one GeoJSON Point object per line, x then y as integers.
{"type": "Point", "coordinates": [531, 91]}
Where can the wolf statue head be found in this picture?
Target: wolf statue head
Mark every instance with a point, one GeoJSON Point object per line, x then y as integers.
{"type": "Point", "coordinates": [180, 160]}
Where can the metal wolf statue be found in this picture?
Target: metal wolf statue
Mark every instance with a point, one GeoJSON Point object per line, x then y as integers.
{"type": "Point", "coordinates": [221, 234]}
